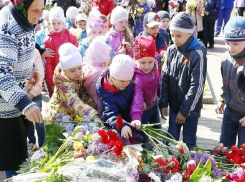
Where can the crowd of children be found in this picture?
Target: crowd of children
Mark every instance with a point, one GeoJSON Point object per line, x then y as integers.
{"type": "Point", "coordinates": [98, 69]}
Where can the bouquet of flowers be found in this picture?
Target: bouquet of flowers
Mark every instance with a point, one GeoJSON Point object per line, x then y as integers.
{"type": "Point", "coordinates": [191, 5]}
{"type": "Point", "coordinates": [85, 6]}
{"type": "Point", "coordinates": [201, 4]}
{"type": "Point", "coordinates": [139, 11]}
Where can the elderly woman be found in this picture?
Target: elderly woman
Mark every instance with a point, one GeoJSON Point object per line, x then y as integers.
{"type": "Point", "coordinates": [17, 47]}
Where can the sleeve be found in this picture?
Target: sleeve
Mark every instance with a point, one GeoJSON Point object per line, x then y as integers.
{"type": "Point", "coordinates": [221, 90]}
{"type": "Point", "coordinates": [194, 94]}
{"type": "Point", "coordinates": [9, 89]}
{"type": "Point", "coordinates": [138, 99]}
{"type": "Point", "coordinates": [41, 50]}
{"type": "Point", "coordinates": [163, 102]}
{"type": "Point", "coordinates": [87, 99]}
{"type": "Point", "coordinates": [73, 101]}
{"type": "Point", "coordinates": [49, 66]}
{"type": "Point", "coordinates": [111, 6]}
{"type": "Point", "coordinates": [216, 9]}
{"type": "Point", "coordinates": [110, 113]}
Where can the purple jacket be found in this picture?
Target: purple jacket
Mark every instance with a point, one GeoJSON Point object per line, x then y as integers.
{"type": "Point", "coordinates": [146, 87]}
{"type": "Point", "coordinates": [116, 39]}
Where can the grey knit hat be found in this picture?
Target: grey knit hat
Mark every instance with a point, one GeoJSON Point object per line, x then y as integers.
{"type": "Point", "coordinates": [182, 22]}
{"type": "Point", "coordinates": [163, 14]}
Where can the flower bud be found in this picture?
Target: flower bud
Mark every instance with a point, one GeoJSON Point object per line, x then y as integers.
{"type": "Point", "coordinates": [191, 165]}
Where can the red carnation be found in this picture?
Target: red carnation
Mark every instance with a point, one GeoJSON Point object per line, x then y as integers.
{"type": "Point", "coordinates": [118, 147]}
{"type": "Point", "coordinates": [233, 147]}
{"type": "Point", "coordinates": [164, 165]}
{"type": "Point", "coordinates": [243, 146]}
{"type": "Point", "coordinates": [112, 135]}
{"type": "Point", "coordinates": [227, 176]}
{"type": "Point", "coordinates": [236, 159]}
{"type": "Point", "coordinates": [186, 174]}
{"type": "Point", "coordinates": [180, 149]}
{"type": "Point", "coordinates": [104, 137]}
{"type": "Point", "coordinates": [119, 122]}
{"type": "Point", "coordinates": [228, 155]}
{"type": "Point", "coordinates": [175, 161]}
{"type": "Point", "coordinates": [132, 140]}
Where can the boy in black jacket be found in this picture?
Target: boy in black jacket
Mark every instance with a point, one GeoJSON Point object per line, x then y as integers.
{"type": "Point", "coordinates": [183, 78]}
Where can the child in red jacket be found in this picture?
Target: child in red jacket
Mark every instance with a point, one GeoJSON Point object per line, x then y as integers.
{"type": "Point", "coordinates": [58, 36]}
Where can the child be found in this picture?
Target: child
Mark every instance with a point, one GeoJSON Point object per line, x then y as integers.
{"type": "Point", "coordinates": [164, 20]}
{"type": "Point", "coordinates": [58, 36]}
{"type": "Point", "coordinates": [147, 82]}
{"type": "Point", "coordinates": [105, 22]}
{"type": "Point", "coordinates": [140, 10]}
{"type": "Point", "coordinates": [232, 70]}
{"type": "Point", "coordinates": [35, 93]}
{"type": "Point", "coordinates": [69, 97]}
{"type": "Point", "coordinates": [96, 60]}
{"type": "Point", "coordinates": [71, 14]}
{"type": "Point", "coordinates": [119, 35]}
{"type": "Point", "coordinates": [80, 32]}
{"type": "Point", "coordinates": [115, 89]}
{"type": "Point", "coordinates": [94, 29]}
{"type": "Point", "coordinates": [183, 78]}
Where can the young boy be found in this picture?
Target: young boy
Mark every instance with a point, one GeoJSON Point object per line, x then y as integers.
{"type": "Point", "coordinates": [71, 14]}
{"type": "Point", "coordinates": [164, 20]}
{"type": "Point", "coordinates": [183, 78]}
{"type": "Point", "coordinates": [81, 22]}
{"type": "Point", "coordinates": [232, 71]}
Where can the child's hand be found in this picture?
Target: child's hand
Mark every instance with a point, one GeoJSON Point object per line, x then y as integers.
{"type": "Point", "coordinates": [122, 51]}
{"type": "Point", "coordinates": [164, 112]}
{"type": "Point", "coordinates": [180, 119]}
{"type": "Point", "coordinates": [139, 14]}
{"type": "Point", "coordinates": [220, 108]}
{"type": "Point", "coordinates": [97, 119]}
{"type": "Point", "coordinates": [136, 124]}
{"type": "Point", "coordinates": [242, 121]}
{"type": "Point", "coordinates": [35, 77]}
{"type": "Point", "coordinates": [47, 53]}
{"type": "Point", "coordinates": [206, 13]}
{"type": "Point", "coordinates": [126, 132]}
{"type": "Point", "coordinates": [128, 47]}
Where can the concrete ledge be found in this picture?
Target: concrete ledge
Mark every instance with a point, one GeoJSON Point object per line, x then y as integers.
{"type": "Point", "coordinates": [207, 95]}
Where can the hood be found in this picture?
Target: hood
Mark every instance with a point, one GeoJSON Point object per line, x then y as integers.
{"type": "Point", "coordinates": [60, 76]}
{"type": "Point", "coordinates": [62, 34]}
{"type": "Point", "coordinates": [191, 43]}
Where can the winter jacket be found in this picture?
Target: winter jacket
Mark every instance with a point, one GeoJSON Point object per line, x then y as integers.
{"type": "Point", "coordinates": [40, 37]}
{"type": "Point", "coordinates": [70, 98]}
{"type": "Point", "coordinates": [145, 91]}
{"type": "Point", "coordinates": [54, 41]}
{"type": "Point", "coordinates": [84, 43]}
{"type": "Point", "coordinates": [17, 45]}
{"type": "Point", "coordinates": [68, 24]}
{"type": "Point", "coordinates": [239, 3]}
{"type": "Point", "coordinates": [166, 37]}
{"type": "Point", "coordinates": [116, 40]}
{"type": "Point", "coordinates": [227, 4]}
{"type": "Point", "coordinates": [114, 103]}
{"type": "Point", "coordinates": [36, 89]}
{"type": "Point", "coordinates": [232, 67]}
{"type": "Point", "coordinates": [138, 22]}
{"type": "Point", "coordinates": [213, 7]}
{"type": "Point", "coordinates": [183, 77]}
{"type": "Point", "coordinates": [105, 6]}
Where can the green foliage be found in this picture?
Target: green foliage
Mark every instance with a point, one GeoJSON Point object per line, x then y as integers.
{"type": "Point", "coordinates": [55, 177]}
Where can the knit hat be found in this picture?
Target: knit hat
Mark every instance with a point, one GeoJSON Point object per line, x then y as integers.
{"type": "Point", "coordinates": [94, 23]}
{"type": "Point", "coordinates": [151, 19]}
{"type": "Point", "coordinates": [98, 52]}
{"type": "Point", "coordinates": [56, 13]}
{"type": "Point", "coordinates": [72, 12]}
{"type": "Point", "coordinates": [95, 11]}
{"type": "Point", "coordinates": [69, 56]}
{"type": "Point", "coordinates": [144, 46]}
{"type": "Point", "coordinates": [45, 14]}
{"type": "Point", "coordinates": [81, 17]}
{"type": "Point", "coordinates": [235, 29]}
{"type": "Point", "coordinates": [163, 14]}
{"type": "Point", "coordinates": [118, 14]}
{"type": "Point", "coordinates": [122, 67]}
{"type": "Point", "coordinates": [182, 22]}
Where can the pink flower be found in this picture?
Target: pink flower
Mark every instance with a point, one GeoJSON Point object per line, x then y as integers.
{"type": "Point", "coordinates": [191, 165]}
{"type": "Point", "coordinates": [180, 149]}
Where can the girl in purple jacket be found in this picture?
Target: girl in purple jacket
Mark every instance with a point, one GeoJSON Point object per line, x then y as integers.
{"type": "Point", "coordinates": [119, 36]}
{"type": "Point", "coordinates": [144, 108]}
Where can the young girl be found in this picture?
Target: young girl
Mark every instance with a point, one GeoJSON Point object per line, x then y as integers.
{"type": "Point", "coordinates": [69, 97]}
{"type": "Point", "coordinates": [140, 10]}
{"type": "Point", "coordinates": [115, 89]}
{"type": "Point", "coordinates": [96, 60]}
{"type": "Point", "coordinates": [94, 28]}
{"type": "Point", "coordinates": [147, 82]}
{"type": "Point", "coordinates": [58, 36]}
{"type": "Point", "coordinates": [233, 71]}
{"type": "Point", "coordinates": [119, 35]}
{"type": "Point", "coordinates": [105, 22]}
{"type": "Point", "coordinates": [71, 14]}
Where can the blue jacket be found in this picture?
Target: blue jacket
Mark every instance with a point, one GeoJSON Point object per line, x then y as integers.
{"type": "Point", "coordinates": [68, 24]}
{"type": "Point", "coordinates": [183, 77]}
{"type": "Point", "coordinates": [40, 36]}
{"type": "Point", "coordinates": [227, 4]}
{"type": "Point", "coordinates": [213, 7]}
{"type": "Point", "coordinates": [115, 104]}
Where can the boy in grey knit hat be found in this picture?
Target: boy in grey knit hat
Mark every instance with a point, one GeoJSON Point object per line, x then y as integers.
{"type": "Point", "coordinates": [183, 79]}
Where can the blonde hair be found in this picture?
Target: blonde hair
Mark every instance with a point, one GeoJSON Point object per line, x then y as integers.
{"type": "Point", "coordinates": [128, 36]}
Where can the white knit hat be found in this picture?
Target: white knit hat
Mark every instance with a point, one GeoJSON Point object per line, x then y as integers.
{"type": "Point", "coordinates": [122, 67]}
{"type": "Point", "coordinates": [45, 14]}
{"type": "Point", "coordinates": [72, 12]}
{"type": "Point", "coordinates": [56, 13]}
{"type": "Point", "coordinates": [118, 14]}
{"type": "Point", "coordinates": [69, 56]}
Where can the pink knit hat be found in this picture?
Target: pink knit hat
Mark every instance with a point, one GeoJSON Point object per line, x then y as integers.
{"type": "Point", "coordinates": [94, 23]}
{"type": "Point", "coordinates": [122, 67]}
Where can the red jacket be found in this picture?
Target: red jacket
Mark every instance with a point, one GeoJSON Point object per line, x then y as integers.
{"type": "Point", "coordinates": [105, 6]}
{"type": "Point", "coordinates": [54, 41]}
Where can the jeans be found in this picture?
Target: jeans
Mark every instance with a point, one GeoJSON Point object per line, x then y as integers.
{"type": "Point", "coordinates": [10, 173]}
{"type": "Point", "coordinates": [189, 127]}
{"type": "Point", "coordinates": [39, 126]}
{"type": "Point", "coordinates": [208, 31]}
{"type": "Point", "coordinates": [224, 15]}
{"type": "Point", "coordinates": [231, 128]}
{"type": "Point", "coordinates": [151, 116]}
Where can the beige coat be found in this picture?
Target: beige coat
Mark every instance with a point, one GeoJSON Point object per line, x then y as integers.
{"type": "Point", "coordinates": [197, 18]}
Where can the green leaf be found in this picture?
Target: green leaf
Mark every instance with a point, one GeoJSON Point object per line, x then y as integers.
{"type": "Point", "coordinates": [89, 137]}
{"type": "Point", "coordinates": [207, 167]}
{"type": "Point", "coordinates": [197, 175]}
{"type": "Point", "coordinates": [77, 129]}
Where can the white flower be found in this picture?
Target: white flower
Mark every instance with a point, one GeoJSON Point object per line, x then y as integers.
{"type": "Point", "coordinates": [154, 177]}
{"type": "Point", "coordinates": [177, 177]}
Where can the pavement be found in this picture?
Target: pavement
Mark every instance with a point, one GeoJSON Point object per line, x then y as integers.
{"type": "Point", "coordinates": [209, 125]}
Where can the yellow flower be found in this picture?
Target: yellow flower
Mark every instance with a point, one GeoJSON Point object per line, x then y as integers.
{"type": "Point", "coordinates": [77, 145]}
{"type": "Point", "coordinates": [90, 158]}
{"type": "Point", "coordinates": [79, 118]}
{"type": "Point", "coordinates": [140, 10]}
{"type": "Point", "coordinates": [193, 4]}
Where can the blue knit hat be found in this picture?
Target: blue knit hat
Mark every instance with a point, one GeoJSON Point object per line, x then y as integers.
{"type": "Point", "coordinates": [235, 29]}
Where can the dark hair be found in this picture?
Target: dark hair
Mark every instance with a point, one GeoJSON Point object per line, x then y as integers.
{"type": "Point", "coordinates": [103, 18]}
